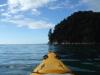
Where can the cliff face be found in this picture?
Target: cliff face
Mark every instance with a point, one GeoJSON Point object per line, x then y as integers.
{"type": "Point", "coordinates": [80, 27]}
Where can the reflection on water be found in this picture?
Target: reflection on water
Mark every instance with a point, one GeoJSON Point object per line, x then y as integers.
{"type": "Point", "coordinates": [82, 59]}
{"type": "Point", "coordinates": [21, 59]}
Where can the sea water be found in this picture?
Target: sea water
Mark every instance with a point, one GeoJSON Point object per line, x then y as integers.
{"type": "Point", "coordinates": [21, 59]}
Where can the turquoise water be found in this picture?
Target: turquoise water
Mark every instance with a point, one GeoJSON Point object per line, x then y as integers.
{"type": "Point", "coordinates": [21, 59]}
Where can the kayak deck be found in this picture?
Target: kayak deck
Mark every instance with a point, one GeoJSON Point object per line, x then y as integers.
{"type": "Point", "coordinates": [51, 66]}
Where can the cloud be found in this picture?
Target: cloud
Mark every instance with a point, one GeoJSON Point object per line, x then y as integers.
{"type": "Point", "coordinates": [58, 4]}
{"type": "Point", "coordinates": [28, 23]}
{"type": "Point", "coordinates": [68, 4]}
{"type": "Point", "coordinates": [16, 10]}
{"type": "Point", "coordinates": [6, 14]}
{"type": "Point", "coordinates": [25, 5]}
{"type": "Point", "coordinates": [3, 5]}
{"type": "Point", "coordinates": [74, 5]}
{"type": "Point", "coordinates": [16, 6]}
{"type": "Point", "coordinates": [35, 12]}
{"type": "Point", "coordinates": [93, 4]}
{"type": "Point", "coordinates": [16, 13]}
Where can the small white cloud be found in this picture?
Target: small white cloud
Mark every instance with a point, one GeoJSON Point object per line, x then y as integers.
{"type": "Point", "coordinates": [35, 12]}
{"type": "Point", "coordinates": [6, 14]}
{"type": "Point", "coordinates": [3, 5]}
{"type": "Point", "coordinates": [55, 7]}
{"type": "Point", "coordinates": [39, 25]}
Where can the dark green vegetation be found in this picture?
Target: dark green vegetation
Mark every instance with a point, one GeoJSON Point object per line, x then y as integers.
{"type": "Point", "coordinates": [80, 27]}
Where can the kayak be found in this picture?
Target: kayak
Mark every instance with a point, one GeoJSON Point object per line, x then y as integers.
{"type": "Point", "coordinates": [51, 65]}
{"type": "Point", "coordinates": [53, 74]}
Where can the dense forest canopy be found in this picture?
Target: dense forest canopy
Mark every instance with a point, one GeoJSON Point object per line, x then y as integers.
{"type": "Point", "coordinates": [80, 27]}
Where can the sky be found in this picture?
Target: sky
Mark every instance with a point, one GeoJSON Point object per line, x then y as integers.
{"type": "Point", "coordinates": [28, 21]}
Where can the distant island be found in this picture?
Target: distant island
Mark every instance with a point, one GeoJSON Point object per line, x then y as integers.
{"type": "Point", "coordinates": [82, 27]}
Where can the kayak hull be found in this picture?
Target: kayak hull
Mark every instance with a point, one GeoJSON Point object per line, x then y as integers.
{"type": "Point", "coordinates": [51, 74]}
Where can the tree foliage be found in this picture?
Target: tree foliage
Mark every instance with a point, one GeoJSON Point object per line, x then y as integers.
{"type": "Point", "coordinates": [80, 27]}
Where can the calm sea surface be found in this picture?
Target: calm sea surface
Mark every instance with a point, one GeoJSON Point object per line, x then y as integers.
{"type": "Point", "coordinates": [21, 59]}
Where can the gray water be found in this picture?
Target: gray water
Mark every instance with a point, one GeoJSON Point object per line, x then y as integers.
{"type": "Point", "coordinates": [22, 59]}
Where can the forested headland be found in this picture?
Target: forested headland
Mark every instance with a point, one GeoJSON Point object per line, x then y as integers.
{"type": "Point", "coordinates": [81, 27]}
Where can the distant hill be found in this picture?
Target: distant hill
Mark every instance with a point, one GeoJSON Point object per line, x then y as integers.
{"type": "Point", "coordinates": [80, 27]}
